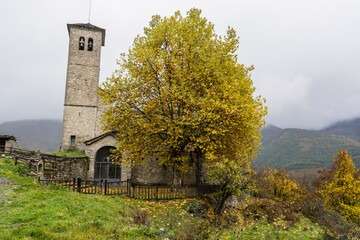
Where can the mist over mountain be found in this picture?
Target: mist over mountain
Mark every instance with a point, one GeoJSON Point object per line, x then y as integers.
{"type": "Point", "coordinates": [43, 135]}
{"type": "Point", "coordinates": [348, 128]}
{"type": "Point", "coordinates": [295, 149]}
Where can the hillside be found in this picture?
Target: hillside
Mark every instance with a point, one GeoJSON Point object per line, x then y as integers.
{"type": "Point", "coordinates": [348, 128]}
{"type": "Point", "coordinates": [43, 135]}
{"type": "Point", "coordinates": [294, 149]}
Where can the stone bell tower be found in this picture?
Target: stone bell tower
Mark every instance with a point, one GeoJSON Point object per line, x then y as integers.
{"type": "Point", "coordinates": [82, 80]}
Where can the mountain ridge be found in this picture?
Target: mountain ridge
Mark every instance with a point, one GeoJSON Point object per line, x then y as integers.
{"type": "Point", "coordinates": [295, 149]}
{"type": "Point", "coordinates": [289, 148]}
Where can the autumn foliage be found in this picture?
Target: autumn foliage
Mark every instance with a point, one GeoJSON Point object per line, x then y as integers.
{"type": "Point", "coordinates": [340, 186]}
{"type": "Point", "coordinates": [276, 184]}
{"type": "Point", "coordinates": [180, 96]}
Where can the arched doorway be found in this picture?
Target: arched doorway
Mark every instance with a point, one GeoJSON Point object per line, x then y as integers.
{"type": "Point", "coordinates": [104, 168]}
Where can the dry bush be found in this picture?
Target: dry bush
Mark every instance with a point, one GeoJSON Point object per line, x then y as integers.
{"type": "Point", "coordinates": [140, 216]}
{"type": "Point", "coordinates": [272, 211]}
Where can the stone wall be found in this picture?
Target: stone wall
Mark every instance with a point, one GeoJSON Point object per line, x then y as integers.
{"type": "Point", "coordinates": [65, 168]}
{"type": "Point", "coordinates": [80, 122]}
{"type": "Point", "coordinates": [10, 144]}
{"type": "Point", "coordinates": [151, 172]}
{"type": "Point", "coordinates": [82, 78]}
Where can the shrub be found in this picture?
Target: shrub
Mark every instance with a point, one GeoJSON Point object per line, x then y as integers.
{"type": "Point", "coordinates": [276, 184]}
{"type": "Point", "coordinates": [198, 209]}
{"type": "Point", "coordinates": [272, 211]}
{"type": "Point", "coordinates": [140, 216]}
{"type": "Point", "coordinates": [312, 206]}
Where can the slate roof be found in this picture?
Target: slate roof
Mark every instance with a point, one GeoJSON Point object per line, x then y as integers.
{"type": "Point", "coordinates": [88, 26]}
{"type": "Point", "coordinates": [7, 137]}
{"type": "Point", "coordinates": [95, 139]}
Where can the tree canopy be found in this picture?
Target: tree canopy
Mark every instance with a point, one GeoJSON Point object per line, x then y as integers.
{"type": "Point", "coordinates": [180, 94]}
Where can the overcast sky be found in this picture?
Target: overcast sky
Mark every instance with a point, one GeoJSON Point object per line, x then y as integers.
{"type": "Point", "coordinates": [306, 53]}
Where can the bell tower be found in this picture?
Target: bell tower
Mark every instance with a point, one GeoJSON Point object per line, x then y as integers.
{"type": "Point", "coordinates": [82, 80]}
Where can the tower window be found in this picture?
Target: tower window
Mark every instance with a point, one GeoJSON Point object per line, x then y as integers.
{"type": "Point", "coordinates": [73, 140]}
{"type": "Point", "coordinates": [81, 43]}
{"type": "Point", "coordinates": [90, 44]}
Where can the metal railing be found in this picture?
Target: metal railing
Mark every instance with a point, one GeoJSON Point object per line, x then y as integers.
{"type": "Point", "coordinates": [105, 187]}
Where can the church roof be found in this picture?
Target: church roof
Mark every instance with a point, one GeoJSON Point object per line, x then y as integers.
{"type": "Point", "coordinates": [95, 139]}
{"type": "Point", "coordinates": [88, 26]}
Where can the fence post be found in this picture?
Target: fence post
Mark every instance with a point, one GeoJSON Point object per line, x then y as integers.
{"type": "Point", "coordinates": [128, 181]}
{"type": "Point", "coordinates": [74, 184]}
{"type": "Point", "coordinates": [16, 159]}
{"type": "Point", "coordinates": [186, 191]}
{"type": "Point", "coordinates": [29, 163]}
{"type": "Point", "coordinates": [105, 187]}
{"type": "Point", "coordinates": [157, 192]}
{"type": "Point", "coordinates": [79, 185]}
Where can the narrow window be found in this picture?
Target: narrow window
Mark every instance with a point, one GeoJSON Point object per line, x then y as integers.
{"type": "Point", "coordinates": [73, 140]}
{"type": "Point", "coordinates": [90, 44]}
{"type": "Point", "coordinates": [81, 43]}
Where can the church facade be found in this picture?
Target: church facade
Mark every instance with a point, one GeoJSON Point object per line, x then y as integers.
{"type": "Point", "coordinates": [83, 108]}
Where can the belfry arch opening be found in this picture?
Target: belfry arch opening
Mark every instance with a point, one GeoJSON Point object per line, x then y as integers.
{"type": "Point", "coordinates": [90, 44]}
{"type": "Point", "coordinates": [104, 167]}
{"type": "Point", "coordinates": [81, 43]}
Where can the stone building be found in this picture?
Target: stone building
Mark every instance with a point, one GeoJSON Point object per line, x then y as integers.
{"type": "Point", "coordinates": [82, 106]}
{"type": "Point", "coordinates": [82, 109]}
{"type": "Point", "coordinates": [7, 142]}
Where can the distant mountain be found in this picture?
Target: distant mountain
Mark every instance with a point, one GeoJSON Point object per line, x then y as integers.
{"type": "Point", "coordinates": [43, 135]}
{"type": "Point", "coordinates": [295, 149]}
{"type": "Point", "coordinates": [348, 128]}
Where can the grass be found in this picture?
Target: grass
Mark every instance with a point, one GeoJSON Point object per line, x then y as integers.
{"type": "Point", "coordinates": [70, 153]}
{"type": "Point", "coordinates": [33, 211]}
{"type": "Point", "coordinates": [278, 230]}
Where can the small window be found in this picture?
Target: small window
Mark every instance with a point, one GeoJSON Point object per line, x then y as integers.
{"type": "Point", "coordinates": [73, 140]}
{"type": "Point", "coordinates": [90, 44]}
{"type": "Point", "coordinates": [81, 43]}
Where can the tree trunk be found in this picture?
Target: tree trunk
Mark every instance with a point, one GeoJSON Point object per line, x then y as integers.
{"type": "Point", "coordinates": [198, 168]}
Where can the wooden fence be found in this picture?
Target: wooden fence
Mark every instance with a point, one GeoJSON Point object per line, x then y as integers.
{"type": "Point", "coordinates": [105, 187]}
{"type": "Point", "coordinates": [70, 172]}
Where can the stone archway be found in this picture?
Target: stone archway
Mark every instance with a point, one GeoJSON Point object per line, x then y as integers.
{"type": "Point", "coordinates": [104, 168]}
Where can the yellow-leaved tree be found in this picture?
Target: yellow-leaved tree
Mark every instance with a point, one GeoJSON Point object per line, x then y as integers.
{"type": "Point", "coordinates": [180, 96]}
{"type": "Point", "coordinates": [340, 186]}
{"type": "Point", "coordinates": [277, 184]}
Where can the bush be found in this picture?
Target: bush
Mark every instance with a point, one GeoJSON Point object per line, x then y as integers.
{"type": "Point", "coordinates": [140, 216]}
{"type": "Point", "coordinates": [313, 207]}
{"type": "Point", "coordinates": [272, 211]}
{"type": "Point", "coordinates": [198, 209]}
{"type": "Point", "coordinates": [276, 184]}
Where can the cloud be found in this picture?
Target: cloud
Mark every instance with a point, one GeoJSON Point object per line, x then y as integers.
{"type": "Point", "coordinates": [305, 53]}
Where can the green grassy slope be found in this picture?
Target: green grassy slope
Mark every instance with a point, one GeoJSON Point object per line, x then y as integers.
{"type": "Point", "coordinates": [298, 149]}
{"type": "Point", "coordinates": [32, 211]}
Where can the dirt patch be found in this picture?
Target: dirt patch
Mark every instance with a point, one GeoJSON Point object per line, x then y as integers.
{"type": "Point", "coordinates": [5, 186]}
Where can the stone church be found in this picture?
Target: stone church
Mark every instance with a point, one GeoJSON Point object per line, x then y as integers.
{"type": "Point", "coordinates": [83, 108]}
